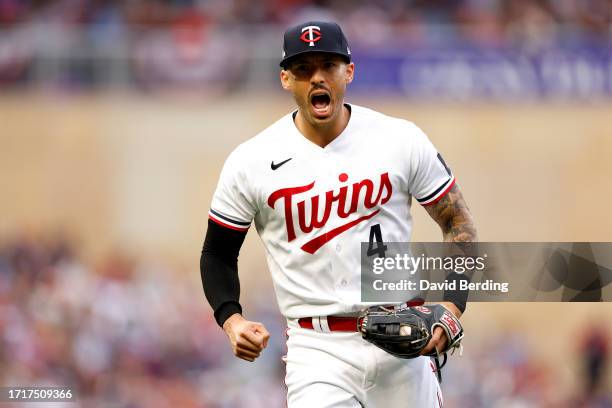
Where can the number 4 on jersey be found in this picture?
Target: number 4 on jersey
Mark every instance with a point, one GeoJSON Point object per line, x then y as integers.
{"type": "Point", "coordinates": [376, 238]}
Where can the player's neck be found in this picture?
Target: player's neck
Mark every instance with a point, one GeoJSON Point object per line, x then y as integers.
{"type": "Point", "coordinates": [322, 135]}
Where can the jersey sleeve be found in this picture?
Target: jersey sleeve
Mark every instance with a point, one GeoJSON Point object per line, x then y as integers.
{"type": "Point", "coordinates": [430, 177]}
{"type": "Point", "coordinates": [232, 204]}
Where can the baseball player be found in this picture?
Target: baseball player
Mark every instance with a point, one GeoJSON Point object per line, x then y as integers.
{"type": "Point", "coordinates": [317, 183]}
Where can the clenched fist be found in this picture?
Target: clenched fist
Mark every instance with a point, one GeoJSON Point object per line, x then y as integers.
{"type": "Point", "coordinates": [247, 338]}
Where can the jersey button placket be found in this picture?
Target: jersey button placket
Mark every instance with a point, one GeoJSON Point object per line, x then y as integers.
{"type": "Point", "coordinates": [333, 172]}
{"type": "Point", "coordinates": [324, 171]}
{"type": "Point", "coordinates": [333, 250]}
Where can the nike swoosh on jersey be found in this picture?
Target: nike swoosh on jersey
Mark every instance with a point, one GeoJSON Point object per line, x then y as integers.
{"type": "Point", "coordinates": [276, 166]}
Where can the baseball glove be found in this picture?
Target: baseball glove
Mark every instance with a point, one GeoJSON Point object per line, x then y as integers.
{"type": "Point", "coordinates": [405, 332]}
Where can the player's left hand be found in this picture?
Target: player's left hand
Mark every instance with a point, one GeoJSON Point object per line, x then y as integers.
{"type": "Point", "coordinates": [438, 338]}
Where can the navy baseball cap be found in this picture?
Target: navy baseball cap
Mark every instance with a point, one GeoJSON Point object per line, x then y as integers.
{"type": "Point", "coordinates": [314, 36]}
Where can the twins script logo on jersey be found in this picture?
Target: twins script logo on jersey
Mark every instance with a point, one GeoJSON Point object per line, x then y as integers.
{"type": "Point", "coordinates": [294, 199]}
{"type": "Point", "coordinates": [311, 34]}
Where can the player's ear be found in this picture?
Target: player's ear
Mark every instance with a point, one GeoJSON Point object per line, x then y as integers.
{"type": "Point", "coordinates": [284, 78]}
{"type": "Point", "coordinates": [350, 72]}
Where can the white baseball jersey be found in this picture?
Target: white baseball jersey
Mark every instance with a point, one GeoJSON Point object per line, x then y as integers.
{"type": "Point", "coordinates": [313, 206]}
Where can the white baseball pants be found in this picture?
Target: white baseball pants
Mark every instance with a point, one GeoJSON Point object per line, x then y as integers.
{"type": "Point", "coordinates": [341, 370]}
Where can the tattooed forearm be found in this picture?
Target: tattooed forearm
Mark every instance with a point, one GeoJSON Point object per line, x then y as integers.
{"type": "Point", "coordinates": [457, 224]}
{"type": "Point", "coordinates": [454, 217]}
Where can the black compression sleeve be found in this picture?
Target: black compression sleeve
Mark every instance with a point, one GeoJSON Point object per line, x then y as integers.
{"type": "Point", "coordinates": [219, 270]}
{"type": "Point", "coordinates": [457, 296]}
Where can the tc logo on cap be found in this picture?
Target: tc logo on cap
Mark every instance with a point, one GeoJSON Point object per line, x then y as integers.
{"type": "Point", "coordinates": [311, 34]}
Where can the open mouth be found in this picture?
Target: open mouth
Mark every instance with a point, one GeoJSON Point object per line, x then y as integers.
{"type": "Point", "coordinates": [320, 102]}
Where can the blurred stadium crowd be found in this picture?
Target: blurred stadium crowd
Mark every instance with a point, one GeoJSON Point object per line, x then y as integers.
{"type": "Point", "coordinates": [129, 334]}
{"type": "Point", "coordinates": [122, 334]}
{"type": "Point", "coordinates": [222, 45]}
{"type": "Point", "coordinates": [588, 17]}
